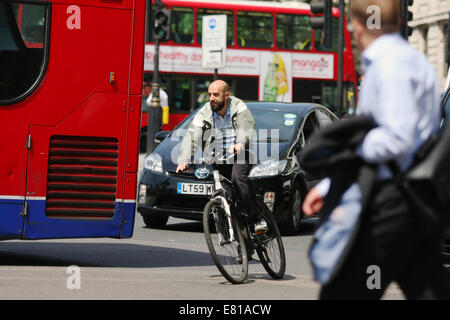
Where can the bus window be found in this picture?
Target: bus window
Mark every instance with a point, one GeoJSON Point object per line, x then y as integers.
{"type": "Point", "coordinates": [180, 96]}
{"type": "Point", "coordinates": [254, 29]}
{"type": "Point", "coordinates": [182, 27]}
{"type": "Point", "coordinates": [246, 88]}
{"type": "Point", "coordinates": [23, 28]}
{"type": "Point", "coordinates": [31, 20]}
{"type": "Point", "coordinates": [293, 32]}
{"type": "Point", "coordinates": [230, 23]}
{"type": "Point", "coordinates": [201, 91]}
{"type": "Point", "coordinates": [334, 37]}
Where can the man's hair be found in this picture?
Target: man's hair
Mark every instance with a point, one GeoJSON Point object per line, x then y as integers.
{"type": "Point", "coordinates": [390, 13]}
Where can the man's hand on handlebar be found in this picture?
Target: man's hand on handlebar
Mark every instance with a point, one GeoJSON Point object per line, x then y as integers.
{"type": "Point", "coordinates": [237, 148]}
{"type": "Point", "coordinates": [234, 149]}
{"type": "Point", "coordinates": [181, 167]}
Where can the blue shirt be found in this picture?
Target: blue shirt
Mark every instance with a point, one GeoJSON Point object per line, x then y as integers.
{"type": "Point", "coordinates": [224, 135]}
{"type": "Point", "coordinates": [400, 91]}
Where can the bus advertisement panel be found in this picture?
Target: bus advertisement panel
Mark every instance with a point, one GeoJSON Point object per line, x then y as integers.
{"type": "Point", "coordinates": [275, 70]}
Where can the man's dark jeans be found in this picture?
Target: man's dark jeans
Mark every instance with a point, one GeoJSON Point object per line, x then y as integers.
{"type": "Point", "coordinates": [238, 174]}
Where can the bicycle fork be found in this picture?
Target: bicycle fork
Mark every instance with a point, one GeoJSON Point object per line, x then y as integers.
{"type": "Point", "coordinates": [229, 226]}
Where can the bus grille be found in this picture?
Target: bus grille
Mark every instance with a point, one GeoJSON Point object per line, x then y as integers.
{"type": "Point", "coordinates": [82, 176]}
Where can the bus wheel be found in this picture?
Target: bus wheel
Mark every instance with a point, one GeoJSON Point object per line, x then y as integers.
{"type": "Point", "coordinates": [155, 221]}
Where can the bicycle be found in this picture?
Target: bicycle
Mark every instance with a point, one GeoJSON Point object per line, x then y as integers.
{"type": "Point", "coordinates": [235, 240]}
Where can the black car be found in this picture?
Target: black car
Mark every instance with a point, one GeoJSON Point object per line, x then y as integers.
{"type": "Point", "coordinates": [276, 178]}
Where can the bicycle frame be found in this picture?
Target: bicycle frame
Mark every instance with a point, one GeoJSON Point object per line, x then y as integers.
{"type": "Point", "coordinates": [232, 227]}
{"type": "Point", "coordinates": [219, 191]}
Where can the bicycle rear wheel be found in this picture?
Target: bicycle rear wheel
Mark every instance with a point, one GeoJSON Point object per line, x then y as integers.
{"type": "Point", "coordinates": [229, 253]}
{"type": "Point", "coordinates": [269, 245]}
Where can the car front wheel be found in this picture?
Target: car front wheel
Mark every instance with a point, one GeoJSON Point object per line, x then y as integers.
{"type": "Point", "coordinates": [292, 225]}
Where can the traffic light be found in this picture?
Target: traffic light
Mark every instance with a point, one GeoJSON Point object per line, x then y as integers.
{"type": "Point", "coordinates": [407, 16]}
{"type": "Point", "coordinates": [161, 29]}
{"type": "Point", "coordinates": [324, 21]}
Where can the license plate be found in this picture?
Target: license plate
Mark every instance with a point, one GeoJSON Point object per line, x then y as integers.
{"type": "Point", "coordinates": [194, 188]}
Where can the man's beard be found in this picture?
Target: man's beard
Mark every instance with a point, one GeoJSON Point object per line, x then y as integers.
{"type": "Point", "coordinates": [218, 107]}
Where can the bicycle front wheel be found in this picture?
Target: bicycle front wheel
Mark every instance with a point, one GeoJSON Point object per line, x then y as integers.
{"type": "Point", "coordinates": [227, 248]}
{"type": "Point", "coordinates": [269, 245]}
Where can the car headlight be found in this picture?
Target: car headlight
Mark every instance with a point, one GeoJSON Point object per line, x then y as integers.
{"type": "Point", "coordinates": [268, 168]}
{"type": "Point", "coordinates": [153, 162]}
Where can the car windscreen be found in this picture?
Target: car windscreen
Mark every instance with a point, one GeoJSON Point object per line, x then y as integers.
{"type": "Point", "coordinates": [269, 124]}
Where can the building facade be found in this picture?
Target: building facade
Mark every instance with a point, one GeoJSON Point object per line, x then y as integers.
{"type": "Point", "coordinates": [430, 25]}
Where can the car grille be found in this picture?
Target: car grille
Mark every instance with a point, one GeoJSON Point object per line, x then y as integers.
{"type": "Point", "coordinates": [183, 203]}
{"type": "Point", "coordinates": [82, 177]}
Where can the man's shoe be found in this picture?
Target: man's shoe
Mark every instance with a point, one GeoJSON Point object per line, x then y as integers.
{"type": "Point", "coordinates": [261, 226]}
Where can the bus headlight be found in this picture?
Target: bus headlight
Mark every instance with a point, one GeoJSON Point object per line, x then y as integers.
{"type": "Point", "coordinates": [153, 162]}
{"type": "Point", "coordinates": [268, 168]}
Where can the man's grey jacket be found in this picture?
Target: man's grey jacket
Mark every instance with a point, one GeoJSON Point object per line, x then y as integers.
{"type": "Point", "coordinates": [201, 128]}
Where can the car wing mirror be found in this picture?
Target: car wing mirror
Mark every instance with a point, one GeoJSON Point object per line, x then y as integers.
{"type": "Point", "coordinates": [160, 136]}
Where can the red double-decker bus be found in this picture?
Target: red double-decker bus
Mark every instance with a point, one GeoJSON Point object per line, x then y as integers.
{"type": "Point", "coordinates": [70, 102]}
{"type": "Point", "coordinates": [272, 55]}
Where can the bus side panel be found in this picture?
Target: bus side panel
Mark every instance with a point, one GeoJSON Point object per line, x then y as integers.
{"type": "Point", "coordinates": [91, 102]}
{"type": "Point", "coordinates": [133, 120]}
{"type": "Point", "coordinates": [129, 184]}
{"type": "Point", "coordinates": [129, 206]}
{"type": "Point", "coordinates": [175, 119]}
{"type": "Point", "coordinates": [11, 225]}
{"type": "Point", "coordinates": [66, 228]}
{"type": "Point", "coordinates": [138, 48]}
{"type": "Point", "coordinates": [13, 157]}
{"type": "Point", "coordinates": [40, 223]}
